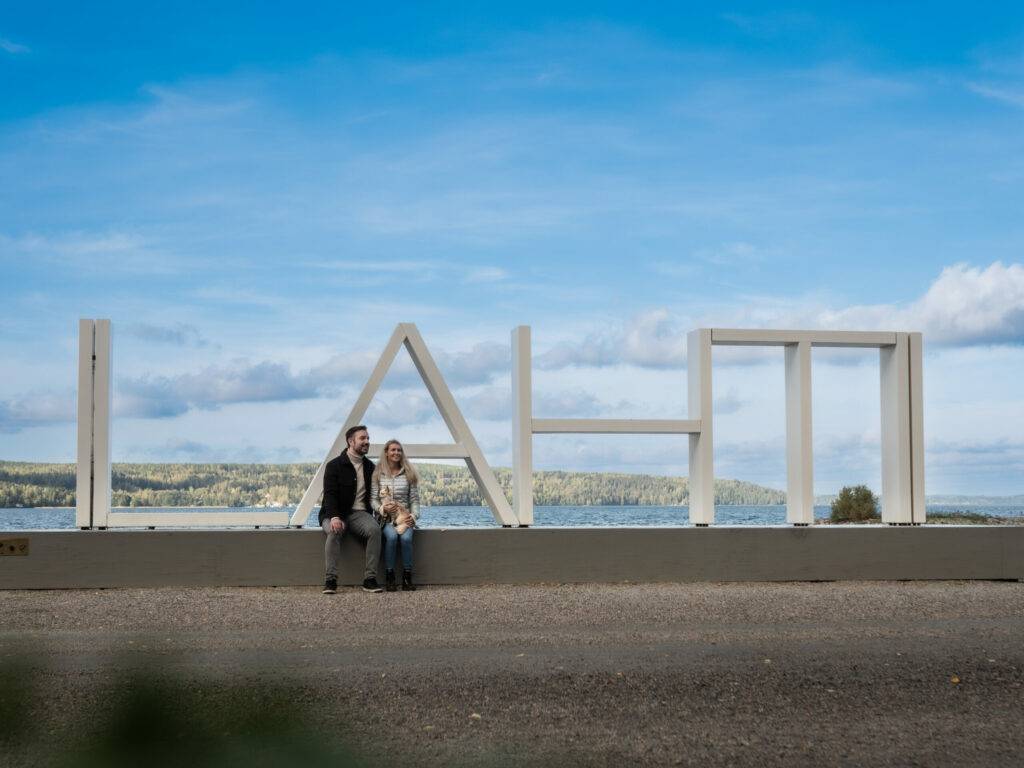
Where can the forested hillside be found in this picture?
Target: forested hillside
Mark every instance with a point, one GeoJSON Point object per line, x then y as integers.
{"type": "Point", "coordinates": [240, 485]}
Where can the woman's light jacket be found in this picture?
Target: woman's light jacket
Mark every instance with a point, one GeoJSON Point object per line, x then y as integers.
{"type": "Point", "coordinates": [401, 491]}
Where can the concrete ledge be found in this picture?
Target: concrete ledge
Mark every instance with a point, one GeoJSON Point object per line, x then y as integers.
{"type": "Point", "coordinates": [80, 559]}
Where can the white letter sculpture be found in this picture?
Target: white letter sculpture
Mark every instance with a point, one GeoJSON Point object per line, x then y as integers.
{"type": "Point", "coordinates": [465, 446]}
{"type": "Point", "coordinates": [903, 496]}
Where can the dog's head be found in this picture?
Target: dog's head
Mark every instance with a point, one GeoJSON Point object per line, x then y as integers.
{"type": "Point", "coordinates": [385, 492]}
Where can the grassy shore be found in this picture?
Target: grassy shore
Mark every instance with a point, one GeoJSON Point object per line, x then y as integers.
{"type": "Point", "coordinates": [957, 517]}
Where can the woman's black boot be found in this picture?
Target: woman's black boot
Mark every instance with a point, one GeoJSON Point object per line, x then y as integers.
{"type": "Point", "coordinates": [389, 577]}
{"type": "Point", "coordinates": [407, 584]}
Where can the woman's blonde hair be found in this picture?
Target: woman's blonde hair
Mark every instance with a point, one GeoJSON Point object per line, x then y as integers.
{"type": "Point", "coordinates": [384, 466]}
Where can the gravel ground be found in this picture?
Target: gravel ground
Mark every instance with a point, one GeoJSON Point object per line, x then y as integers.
{"type": "Point", "coordinates": [793, 674]}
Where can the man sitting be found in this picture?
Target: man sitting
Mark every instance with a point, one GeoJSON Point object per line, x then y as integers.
{"type": "Point", "coordinates": [346, 507]}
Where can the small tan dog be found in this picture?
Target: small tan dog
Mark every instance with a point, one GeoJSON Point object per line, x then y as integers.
{"type": "Point", "coordinates": [399, 516]}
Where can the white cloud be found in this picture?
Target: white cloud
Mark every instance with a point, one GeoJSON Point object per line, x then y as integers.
{"type": "Point", "coordinates": [401, 411]}
{"type": "Point", "coordinates": [93, 252]}
{"type": "Point", "coordinates": [189, 448]}
{"type": "Point", "coordinates": [486, 275]}
{"type": "Point", "coordinates": [77, 244]}
{"type": "Point", "coordinates": [975, 466]}
{"type": "Point", "coordinates": [149, 399]}
{"type": "Point", "coordinates": [1013, 98]}
{"type": "Point", "coordinates": [631, 454]}
{"type": "Point", "coordinates": [237, 381]}
{"type": "Point", "coordinates": [201, 105]}
{"type": "Point", "coordinates": [675, 270]}
{"type": "Point", "coordinates": [406, 268]}
{"type": "Point", "coordinates": [241, 381]}
{"type": "Point", "coordinates": [491, 404]}
{"type": "Point", "coordinates": [36, 410]}
{"type": "Point", "coordinates": [732, 255]}
{"type": "Point", "coordinates": [997, 456]}
{"type": "Point", "coordinates": [840, 459]}
{"type": "Point", "coordinates": [179, 335]}
{"type": "Point", "coordinates": [651, 339]}
{"type": "Point", "coordinates": [481, 364]}
{"type": "Point", "coordinates": [495, 404]}
{"type": "Point", "coordinates": [473, 217]}
{"type": "Point", "coordinates": [576, 403]}
{"type": "Point", "coordinates": [965, 306]}
{"type": "Point", "coordinates": [183, 449]}
{"type": "Point", "coordinates": [728, 403]}
{"type": "Point", "coordinates": [772, 25]}
{"type": "Point", "coordinates": [355, 368]}
{"type": "Point", "coordinates": [761, 461]}
{"type": "Point", "coordinates": [12, 47]}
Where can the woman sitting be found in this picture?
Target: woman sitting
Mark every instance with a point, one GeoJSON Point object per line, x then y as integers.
{"type": "Point", "coordinates": [395, 497]}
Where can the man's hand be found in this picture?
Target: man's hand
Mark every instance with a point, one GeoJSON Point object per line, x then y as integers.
{"type": "Point", "coordinates": [337, 525]}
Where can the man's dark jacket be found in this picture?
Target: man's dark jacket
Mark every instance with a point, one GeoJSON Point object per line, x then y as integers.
{"type": "Point", "coordinates": [340, 487]}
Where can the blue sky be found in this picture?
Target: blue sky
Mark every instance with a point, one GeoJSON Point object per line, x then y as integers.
{"type": "Point", "coordinates": [255, 195]}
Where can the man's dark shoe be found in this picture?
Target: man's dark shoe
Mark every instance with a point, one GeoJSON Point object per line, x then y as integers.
{"type": "Point", "coordinates": [331, 587]}
{"type": "Point", "coordinates": [371, 585]}
{"type": "Point", "coordinates": [407, 585]}
{"type": "Point", "coordinates": [389, 580]}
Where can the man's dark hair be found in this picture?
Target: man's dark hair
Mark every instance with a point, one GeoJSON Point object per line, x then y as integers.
{"type": "Point", "coordinates": [352, 430]}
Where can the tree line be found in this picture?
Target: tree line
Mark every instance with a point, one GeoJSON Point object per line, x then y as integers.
{"type": "Point", "coordinates": [29, 484]}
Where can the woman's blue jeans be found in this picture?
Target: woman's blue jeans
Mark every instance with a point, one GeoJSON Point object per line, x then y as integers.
{"type": "Point", "coordinates": [391, 539]}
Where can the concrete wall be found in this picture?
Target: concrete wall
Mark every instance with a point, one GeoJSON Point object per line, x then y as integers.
{"type": "Point", "coordinates": [113, 558]}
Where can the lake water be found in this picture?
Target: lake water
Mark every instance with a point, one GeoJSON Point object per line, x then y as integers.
{"type": "Point", "coordinates": [469, 517]}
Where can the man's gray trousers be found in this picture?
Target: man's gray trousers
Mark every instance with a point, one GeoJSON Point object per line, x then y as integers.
{"type": "Point", "coordinates": [362, 525]}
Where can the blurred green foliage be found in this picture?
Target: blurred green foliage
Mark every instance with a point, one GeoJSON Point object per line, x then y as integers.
{"type": "Point", "coordinates": [141, 720]}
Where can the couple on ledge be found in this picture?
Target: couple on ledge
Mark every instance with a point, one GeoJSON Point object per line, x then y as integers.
{"type": "Point", "coordinates": [371, 502]}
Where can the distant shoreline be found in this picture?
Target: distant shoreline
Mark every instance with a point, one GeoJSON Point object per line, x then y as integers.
{"type": "Point", "coordinates": [227, 485]}
{"type": "Point", "coordinates": [996, 501]}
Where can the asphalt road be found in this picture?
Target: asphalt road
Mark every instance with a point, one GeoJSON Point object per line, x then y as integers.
{"type": "Point", "coordinates": [794, 674]}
